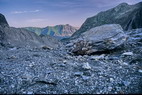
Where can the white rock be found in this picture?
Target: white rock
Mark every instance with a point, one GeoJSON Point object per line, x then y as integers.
{"type": "Point", "coordinates": [29, 92]}
{"type": "Point", "coordinates": [13, 48]}
{"type": "Point", "coordinates": [98, 57]}
{"type": "Point", "coordinates": [125, 63]}
{"type": "Point", "coordinates": [109, 88]}
{"type": "Point", "coordinates": [111, 79]}
{"type": "Point", "coordinates": [70, 44]}
{"type": "Point", "coordinates": [86, 66]}
{"type": "Point", "coordinates": [140, 71]}
{"type": "Point", "coordinates": [65, 61]}
{"type": "Point", "coordinates": [128, 53]}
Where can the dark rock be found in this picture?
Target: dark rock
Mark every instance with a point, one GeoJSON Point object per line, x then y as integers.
{"type": "Point", "coordinates": [102, 38]}
{"type": "Point", "coordinates": [3, 22]}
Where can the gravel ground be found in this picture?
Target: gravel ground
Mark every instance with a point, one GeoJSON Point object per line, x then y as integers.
{"type": "Point", "coordinates": [43, 71]}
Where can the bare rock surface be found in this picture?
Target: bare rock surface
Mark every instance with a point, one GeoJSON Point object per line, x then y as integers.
{"type": "Point", "coordinates": [98, 39]}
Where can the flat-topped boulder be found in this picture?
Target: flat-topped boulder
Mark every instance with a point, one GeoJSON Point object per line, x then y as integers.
{"type": "Point", "coordinates": [98, 39]}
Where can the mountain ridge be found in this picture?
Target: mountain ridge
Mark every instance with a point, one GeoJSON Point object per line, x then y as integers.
{"type": "Point", "coordinates": [57, 30]}
{"type": "Point", "coordinates": [128, 16]}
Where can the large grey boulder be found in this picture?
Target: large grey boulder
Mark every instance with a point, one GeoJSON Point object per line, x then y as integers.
{"type": "Point", "coordinates": [101, 38]}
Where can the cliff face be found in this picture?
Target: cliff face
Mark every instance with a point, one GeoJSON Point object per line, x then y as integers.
{"type": "Point", "coordinates": [128, 16]}
{"type": "Point", "coordinates": [3, 22]}
{"type": "Point", "coordinates": [58, 30]}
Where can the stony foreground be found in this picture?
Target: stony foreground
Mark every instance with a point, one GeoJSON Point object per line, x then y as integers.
{"type": "Point", "coordinates": [43, 71]}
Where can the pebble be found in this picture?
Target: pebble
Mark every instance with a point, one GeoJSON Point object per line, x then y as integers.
{"type": "Point", "coordinates": [13, 48]}
{"type": "Point", "coordinates": [109, 88]}
{"type": "Point", "coordinates": [140, 71]}
{"type": "Point", "coordinates": [111, 79]}
{"type": "Point", "coordinates": [98, 57]}
{"type": "Point", "coordinates": [126, 83]}
{"type": "Point", "coordinates": [70, 44]}
{"type": "Point", "coordinates": [125, 63]}
{"type": "Point", "coordinates": [128, 53]}
{"type": "Point", "coordinates": [86, 66]}
{"type": "Point", "coordinates": [65, 61]}
{"type": "Point", "coordinates": [78, 73]}
{"type": "Point", "coordinates": [29, 92]}
{"type": "Point", "coordinates": [12, 86]}
{"type": "Point", "coordinates": [12, 57]}
{"type": "Point", "coordinates": [85, 77]}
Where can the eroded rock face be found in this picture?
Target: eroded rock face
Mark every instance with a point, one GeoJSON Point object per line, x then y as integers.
{"type": "Point", "coordinates": [102, 38]}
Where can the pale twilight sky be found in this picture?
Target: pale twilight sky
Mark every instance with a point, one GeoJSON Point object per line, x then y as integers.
{"type": "Point", "coordinates": [42, 13]}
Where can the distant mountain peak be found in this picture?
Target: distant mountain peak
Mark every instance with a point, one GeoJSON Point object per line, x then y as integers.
{"type": "Point", "coordinates": [57, 30]}
{"type": "Point", "coordinates": [123, 4]}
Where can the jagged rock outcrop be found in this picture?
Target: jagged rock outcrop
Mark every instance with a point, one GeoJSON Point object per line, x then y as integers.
{"type": "Point", "coordinates": [16, 37]}
{"type": "Point", "coordinates": [128, 16]}
{"type": "Point", "coordinates": [59, 31]}
{"type": "Point", "coordinates": [99, 39]}
{"type": "Point", "coordinates": [3, 22]}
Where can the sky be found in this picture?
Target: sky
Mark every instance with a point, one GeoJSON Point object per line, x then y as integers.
{"type": "Point", "coordinates": [42, 13]}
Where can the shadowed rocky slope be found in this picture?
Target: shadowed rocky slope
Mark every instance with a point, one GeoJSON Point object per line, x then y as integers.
{"type": "Point", "coordinates": [128, 16]}
{"type": "Point", "coordinates": [16, 37]}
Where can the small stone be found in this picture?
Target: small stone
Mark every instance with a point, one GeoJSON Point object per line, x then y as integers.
{"type": "Point", "coordinates": [111, 79]}
{"type": "Point", "coordinates": [65, 61]}
{"type": "Point", "coordinates": [12, 86]}
{"type": "Point", "coordinates": [70, 44]}
{"type": "Point", "coordinates": [12, 57]}
{"type": "Point", "coordinates": [86, 66]}
{"type": "Point", "coordinates": [140, 71]}
{"type": "Point", "coordinates": [128, 53]}
{"type": "Point", "coordinates": [79, 57]}
{"type": "Point", "coordinates": [31, 64]}
{"type": "Point", "coordinates": [86, 56]}
{"type": "Point", "coordinates": [98, 57]}
{"type": "Point", "coordinates": [126, 83]}
{"type": "Point", "coordinates": [47, 48]}
{"type": "Point", "coordinates": [78, 73]}
{"type": "Point", "coordinates": [62, 65]}
{"type": "Point", "coordinates": [29, 92]}
{"type": "Point", "coordinates": [85, 77]}
{"type": "Point", "coordinates": [109, 88]}
{"type": "Point", "coordinates": [14, 48]}
{"type": "Point", "coordinates": [125, 63]}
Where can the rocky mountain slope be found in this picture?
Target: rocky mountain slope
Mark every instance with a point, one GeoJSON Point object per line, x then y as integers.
{"type": "Point", "coordinates": [57, 31]}
{"type": "Point", "coordinates": [128, 16]}
{"type": "Point", "coordinates": [15, 37]}
{"type": "Point", "coordinates": [112, 67]}
{"type": "Point", "coordinates": [39, 71]}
